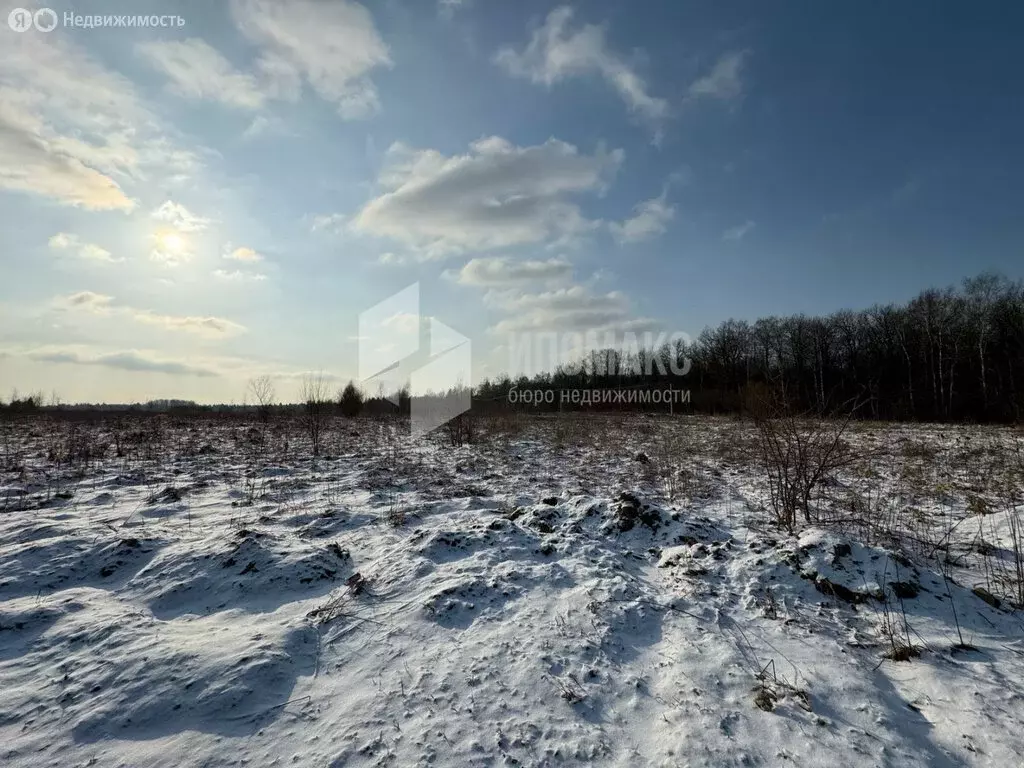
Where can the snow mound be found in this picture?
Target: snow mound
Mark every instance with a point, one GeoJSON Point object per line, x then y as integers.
{"type": "Point", "coordinates": [46, 565]}
{"type": "Point", "coordinates": [249, 570]}
{"type": "Point", "coordinates": [148, 684]}
{"type": "Point", "coordinates": [851, 571]}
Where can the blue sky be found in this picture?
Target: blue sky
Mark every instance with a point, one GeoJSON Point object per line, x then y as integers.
{"type": "Point", "coordinates": [185, 208]}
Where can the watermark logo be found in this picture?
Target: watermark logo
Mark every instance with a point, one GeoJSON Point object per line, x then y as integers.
{"type": "Point", "coordinates": [587, 398]}
{"type": "Point", "coordinates": [46, 20]}
{"type": "Point", "coordinates": [396, 343]}
{"type": "Point", "coordinates": [601, 354]}
{"type": "Point", "coordinates": [22, 19]}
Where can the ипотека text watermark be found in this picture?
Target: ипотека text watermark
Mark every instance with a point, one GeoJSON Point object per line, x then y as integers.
{"type": "Point", "coordinates": [47, 19]}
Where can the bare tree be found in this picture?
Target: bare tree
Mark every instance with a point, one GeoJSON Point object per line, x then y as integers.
{"type": "Point", "coordinates": [983, 293]}
{"type": "Point", "coordinates": [316, 404]}
{"type": "Point", "coordinates": [262, 390]}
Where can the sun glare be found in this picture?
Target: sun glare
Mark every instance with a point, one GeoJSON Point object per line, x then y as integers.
{"type": "Point", "coordinates": [172, 242]}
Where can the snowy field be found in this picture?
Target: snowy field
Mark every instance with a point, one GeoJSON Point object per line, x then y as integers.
{"type": "Point", "coordinates": [561, 591]}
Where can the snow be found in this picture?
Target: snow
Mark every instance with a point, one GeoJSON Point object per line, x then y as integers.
{"type": "Point", "coordinates": [531, 600]}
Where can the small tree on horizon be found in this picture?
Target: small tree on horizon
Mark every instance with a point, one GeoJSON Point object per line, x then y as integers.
{"type": "Point", "coordinates": [315, 408]}
{"type": "Point", "coordinates": [350, 401]}
{"type": "Point", "coordinates": [262, 390]}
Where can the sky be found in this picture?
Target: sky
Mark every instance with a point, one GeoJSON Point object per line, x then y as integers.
{"type": "Point", "coordinates": [184, 208]}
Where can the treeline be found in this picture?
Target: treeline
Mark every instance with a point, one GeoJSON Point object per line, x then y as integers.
{"type": "Point", "coordinates": [37, 403]}
{"type": "Point", "coordinates": [350, 405]}
{"type": "Point", "coordinates": [948, 355]}
{"type": "Point", "coordinates": [19, 405]}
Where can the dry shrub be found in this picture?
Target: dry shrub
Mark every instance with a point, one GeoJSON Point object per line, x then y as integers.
{"type": "Point", "coordinates": [798, 453]}
{"type": "Point", "coordinates": [460, 430]}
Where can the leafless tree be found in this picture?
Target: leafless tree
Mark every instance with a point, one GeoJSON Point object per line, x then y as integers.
{"type": "Point", "coordinates": [316, 407]}
{"type": "Point", "coordinates": [262, 390]}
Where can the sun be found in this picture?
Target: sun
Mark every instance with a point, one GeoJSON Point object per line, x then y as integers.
{"type": "Point", "coordinates": [171, 242]}
{"type": "Point", "coordinates": [170, 247]}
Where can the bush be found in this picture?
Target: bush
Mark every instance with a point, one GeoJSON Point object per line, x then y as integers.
{"type": "Point", "coordinates": [798, 454]}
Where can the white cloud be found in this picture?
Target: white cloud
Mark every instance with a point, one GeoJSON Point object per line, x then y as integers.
{"type": "Point", "coordinates": [502, 272]}
{"type": "Point", "coordinates": [179, 217]}
{"type": "Point", "coordinates": [556, 53]}
{"type": "Point", "coordinates": [496, 195]}
{"type": "Point", "coordinates": [392, 259]}
{"type": "Point", "coordinates": [238, 276]}
{"type": "Point", "coordinates": [197, 71]}
{"type": "Point", "coordinates": [31, 161]}
{"type": "Point", "coordinates": [95, 253]}
{"type": "Point", "coordinates": [171, 257]}
{"type": "Point", "coordinates": [332, 46]}
{"type": "Point", "coordinates": [102, 305]}
{"type": "Point", "coordinates": [63, 241]}
{"type": "Point", "coordinates": [266, 126]}
{"type": "Point", "coordinates": [71, 130]}
{"type": "Point", "coordinates": [447, 8]}
{"type": "Point", "coordinates": [723, 82]}
{"type": "Point", "coordinates": [129, 360]}
{"type": "Point", "coordinates": [574, 309]}
{"type": "Point", "coordinates": [243, 254]}
{"type": "Point", "coordinates": [329, 222]}
{"type": "Point", "coordinates": [203, 326]}
{"type": "Point", "coordinates": [650, 218]}
{"type": "Point", "coordinates": [738, 232]}
{"type": "Point", "coordinates": [175, 164]}
{"type": "Point", "coordinates": [90, 301]}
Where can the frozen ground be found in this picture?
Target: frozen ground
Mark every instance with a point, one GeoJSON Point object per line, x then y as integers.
{"type": "Point", "coordinates": [560, 592]}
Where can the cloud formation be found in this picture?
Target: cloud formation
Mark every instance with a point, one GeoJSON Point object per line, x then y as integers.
{"type": "Point", "coordinates": [238, 276]}
{"type": "Point", "coordinates": [63, 241]}
{"type": "Point", "coordinates": [196, 70]}
{"type": "Point", "coordinates": [243, 254]}
{"type": "Point", "coordinates": [556, 53]}
{"type": "Point", "coordinates": [501, 272]}
{"type": "Point", "coordinates": [738, 232]}
{"type": "Point", "coordinates": [97, 303]}
{"type": "Point", "coordinates": [129, 360]}
{"type": "Point", "coordinates": [103, 305]}
{"type": "Point", "coordinates": [448, 8]}
{"type": "Point", "coordinates": [574, 309]}
{"type": "Point", "coordinates": [494, 196]}
{"type": "Point", "coordinates": [332, 46]}
{"type": "Point", "coordinates": [329, 222]}
{"type": "Point", "coordinates": [650, 218]}
{"type": "Point", "coordinates": [179, 217]}
{"type": "Point", "coordinates": [73, 131]}
{"type": "Point", "coordinates": [56, 136]}
{"type": "Point", "coordinates": [723, 82]}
